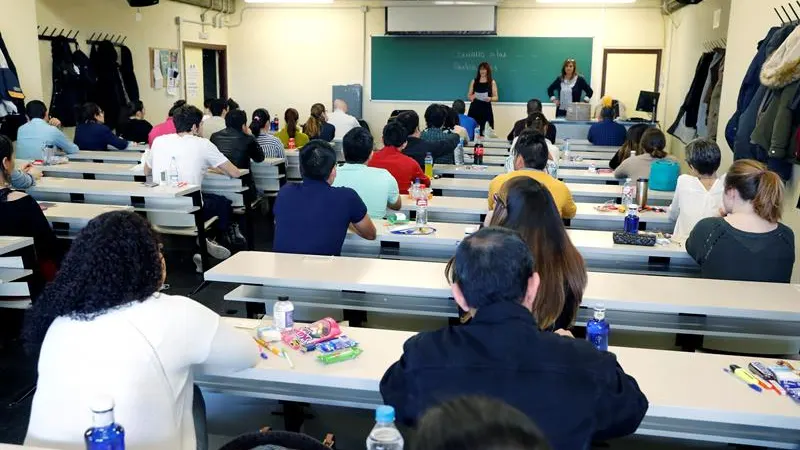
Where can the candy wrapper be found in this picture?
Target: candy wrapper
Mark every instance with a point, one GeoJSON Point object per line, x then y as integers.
{"type": "Point", "coordinates": [308, 336]}
{"type": "Point", "coordinates": [340, 343]}
{"type": "Point", "coordinates": [340, 355]}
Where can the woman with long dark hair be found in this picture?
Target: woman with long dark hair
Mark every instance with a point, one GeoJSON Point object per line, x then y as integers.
{"type": "Point", "coordinates": [104, 329]}
{"type": "Point", "coordinates": [132, 126]}
{"type": "Point", "coordinates": [291, 131]}
{"type": "Point", "coordinates": [317, 126]}
{"type": "Point", "coordinates": [259, 126]}
{"type": "Point", "coordinates": [570, 86]}
{"type": "Point", "coordinates": [92, 132]}
{"type": "Point", "coordinates": [526, 206]}
{"type": "Point", "coordinates": [631, 147]}
{"type": "Point", "coordinates": [482, 92]}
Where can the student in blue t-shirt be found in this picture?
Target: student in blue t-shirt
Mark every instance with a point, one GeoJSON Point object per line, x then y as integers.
{"type": "Point", "coordinates": [464, 120]}
{"type": "Point", "coordinates": [313, 217]}
{"type": "Point", "coordinates": [607, 132]}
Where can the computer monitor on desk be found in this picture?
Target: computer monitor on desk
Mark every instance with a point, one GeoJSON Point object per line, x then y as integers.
{"type": "Point", "coordinates": [648, 102]}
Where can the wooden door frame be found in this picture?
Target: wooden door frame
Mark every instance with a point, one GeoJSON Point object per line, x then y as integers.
{"type": "Point", "coordinates": [630, 51]}
{"type": "Point", "coordinates": [222, 65]}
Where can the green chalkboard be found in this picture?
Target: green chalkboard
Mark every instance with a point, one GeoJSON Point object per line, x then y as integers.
{"type": "Point", "coordinates": [440, 68]}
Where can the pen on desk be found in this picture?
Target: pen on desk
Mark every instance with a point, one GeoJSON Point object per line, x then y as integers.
{"type": "Point", "coordinates": [754, 387]}
{"type": "Point", "coordinates": [289, 360]}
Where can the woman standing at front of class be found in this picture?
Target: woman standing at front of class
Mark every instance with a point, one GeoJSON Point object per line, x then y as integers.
{"type": "Point", "coordinates": [482, 92]}
{"type": "Point", "coordinates": [568, 87]}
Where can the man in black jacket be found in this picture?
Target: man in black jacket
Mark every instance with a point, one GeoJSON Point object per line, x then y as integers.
{"type": "Point", "coordinates": [573, 392]}
{"type": "Point", "coordinates": [534, 106]}
{"type": "Point", "coordinates": [417, 148]}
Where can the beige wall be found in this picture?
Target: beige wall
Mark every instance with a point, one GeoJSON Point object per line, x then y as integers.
{"type": "Point", "coordinates": [687, 30]}
{"type": "Point", "coordinates": [156, 29]}
{"type": "Point", "coordinates": [328, 47]}
{"type": "Point", "coordinates": [194, 56]}
{"type": "Point", "coordinates": [18, 26]}
{"type": "Point", "coordinates": [749, 23]}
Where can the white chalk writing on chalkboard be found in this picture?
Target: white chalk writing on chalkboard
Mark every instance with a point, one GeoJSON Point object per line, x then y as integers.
{"type": "Point", "coordinates": [470, 54]}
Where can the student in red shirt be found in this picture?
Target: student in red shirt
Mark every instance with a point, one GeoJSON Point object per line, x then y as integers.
{"type": "Point", "coordinates": [403, 168]}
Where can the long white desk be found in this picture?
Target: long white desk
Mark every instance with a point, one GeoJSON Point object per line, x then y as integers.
{"type": "Point", "coordinates": [460, 187]}
{"type": "Point", "coordinates": [17, 258]}
{"type": "Point", "coordinates": [633, 302]}
{"type": "Point", "coordinates": [584, 176]}
{"type": "Point", "coordinates": [10, 244]}
{"type": "Point", "coordinates": [106, 156]}
{"type": "Point", "coordinates": [67, 219]}
{"type": "Point", "coordinates": [489, 172]}
{"type": "Point", "coordinates": [690, 396]}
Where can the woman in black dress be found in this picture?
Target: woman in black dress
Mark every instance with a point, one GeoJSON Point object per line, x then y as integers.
{"type": "Point", "coordinates": [568, 88]}
{"type": "Point", "coordinates": [482, 92]}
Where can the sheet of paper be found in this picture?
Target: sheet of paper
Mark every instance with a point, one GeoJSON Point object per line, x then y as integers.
{"type": "Point", "coordinates": [158, 75]}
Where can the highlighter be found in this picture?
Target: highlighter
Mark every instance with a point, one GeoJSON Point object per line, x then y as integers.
{"type": "Point", "coordinates": [745, 376]}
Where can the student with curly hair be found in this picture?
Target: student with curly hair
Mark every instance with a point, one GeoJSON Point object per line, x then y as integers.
{"type": "Point", "coordinates": [106, 330]}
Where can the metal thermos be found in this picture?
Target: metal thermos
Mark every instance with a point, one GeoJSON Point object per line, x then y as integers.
{"type": "Point", "coordinates": [642, 186]}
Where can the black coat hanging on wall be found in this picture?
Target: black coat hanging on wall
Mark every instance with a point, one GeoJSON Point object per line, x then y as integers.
{"type": "Point", "coordinates": [108, 92]}
{"type": "Point", "coordinates": [128, 76]}
{"type": "Point", "coordinates": [68, 91]}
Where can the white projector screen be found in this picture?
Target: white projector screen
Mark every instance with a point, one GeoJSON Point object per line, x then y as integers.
{"type": "Point", "coordinates": [451, 19]}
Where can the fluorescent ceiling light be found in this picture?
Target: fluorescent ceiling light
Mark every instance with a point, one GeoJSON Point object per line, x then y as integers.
{"type": "Point", "coordinates": [586, 1]}
{"type": "Point", "coordinates": [448, 2]}
{"type": "Point", "coordinates": [289, 2]}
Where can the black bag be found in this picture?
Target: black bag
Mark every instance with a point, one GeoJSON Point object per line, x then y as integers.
{"type": "Point", "coordinates": [283, 439]}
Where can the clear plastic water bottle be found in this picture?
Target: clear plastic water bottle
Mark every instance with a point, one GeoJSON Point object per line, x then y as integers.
{"type": "Point", "coordinates": [428, 165]}
{"type": "Point", "coordinates": [385, 435]}
{"type": "Point", "coordinates": [48, 154]}
{"type": "Point", "coordinates": [422, 211]}
{"type": "Point", "coordinates": [173, 172]}
{"type": "Point", "coordinates": [459, 153]}
{"type": "Point", "coordinates": [597, 328]}
{"type": "Point", "coordinates": [105, 434]}
{"type": "Point", "coordinates": [283, 314]}
{"type": "Point", "coordinates": [628, 192]}
{"type": "Point", "coordinates": [478, 137]}
{"type": "Point", "coordinates": [415, 188]}
{"type": "Point", "coordinates": [566, 154]}
{"type": "Point", "coordinates": [632, 219]}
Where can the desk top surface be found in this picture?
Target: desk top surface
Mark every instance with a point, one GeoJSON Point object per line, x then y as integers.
{"type": "Point", "coordinates": [10, 244]}
{"type": "Point", "coordinates": [577, 189]}
{"type": "Point", "coordinates": [78, 213]}
{"type": "Point", "coordinates": [104, 187]}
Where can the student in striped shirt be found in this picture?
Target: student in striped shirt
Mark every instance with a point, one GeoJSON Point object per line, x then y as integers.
{"type": "Point", "coordinates": [270, 145]}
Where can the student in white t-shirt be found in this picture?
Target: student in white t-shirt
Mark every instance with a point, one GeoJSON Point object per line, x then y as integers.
{"type": "Point", "coordinates": [698, 195]}
{"type": "Point", "coordinates": [341, 120]}
{"type": "Point", "coordinates": [105, 330]}
{"type": "Point", "coordinates": [193, 156]}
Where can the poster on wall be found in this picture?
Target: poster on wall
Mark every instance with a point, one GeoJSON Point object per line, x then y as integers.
{"type": "Point", "coordinates": [164, 72]}
{"type": "Point", "coordinates": [192, 81]}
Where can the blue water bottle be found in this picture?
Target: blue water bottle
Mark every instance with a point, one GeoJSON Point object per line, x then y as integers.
{"type": "Point", "coordinates": [597, 328]}
{"type": "Point", "coordinates": [632, 219]}
{"type": "Point", "coordinates": [105, 434]}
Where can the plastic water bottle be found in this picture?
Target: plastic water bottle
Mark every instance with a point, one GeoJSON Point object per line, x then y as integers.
{"type": "Point", "coordinates": [597, 328]}
{"type": "Point", "coordinates": [104, 434]}
{"type": "Point", "coordinates": [428, 165]}
{"type": "Point", "coordinates": [385, 435]}
{"type": "Point", "coordinates": [48, 154]}
{"type": "Point", "coordinates": [459, 153]}
{"type": "Point", "coordinates": [632, 219]}
{"type": "Point", "coordinates": [566, 155]}
{"type": "Point", "coordinates": [173, 172]}
{"type": "Point", "coordinates": [283, 314]}
{"type": "Point", "coordinates": [478, 137]}
{"type": "Point", "coordinates": [422, 211]}
{"type": "Point", "coordinates": [628, 192]}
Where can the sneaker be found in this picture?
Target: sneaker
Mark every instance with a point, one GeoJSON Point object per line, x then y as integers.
{"type": "Point", "coordinates": [237, 232]}
{"type": "Point", "coordinates": [198, 262]}
{"type": "Point", "coordinates": [216, 250]}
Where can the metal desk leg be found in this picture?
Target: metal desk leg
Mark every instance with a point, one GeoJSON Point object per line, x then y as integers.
{"type": "Point", "coordinates": [197, 200]}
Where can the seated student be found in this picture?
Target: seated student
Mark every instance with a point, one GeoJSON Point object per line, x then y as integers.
{"type": "Point", "coordinates": [607, 132]}
{"type": "Point", "coordinates": [166, 127]}
{"type": "Point", "coordinates": [41, 130]}
{"type": "Point", "coordinates": [451, 124]}
{"type": "Point", "coordinates": [231, 104]}
{"type": "Point", "coordinates": [317, 126]}
{"type": "Point", "coordinates": [259, 127]}
{"type": "Point", "coordinates": [574, 392]}
{"type": "Point", "coordinates": [207, 109]}
{"type": "Point", "coordinates": [376, 187]}
{"type": "Point", "coordinates": [105, 329]}
{"type": "Point", "coordinates": [652, 147]}
{"type": "Point", "coordinates": [531, 160]}
{"type": "Point", "coordinates": [526, 206]}
{"type": "Point", "coordinates": [23, 216]}
{"type": "Point", "coordinates": [238, 146]}
{"type": "Point", "coordinates": [474, 422]}
{"type": "Point", "coordinates": [435, 117]}
{"type": "Point", "coordinates": [340, 120]}
{"type": "Point", "coordinates": [698, 195]}
{"type": "Point", "coordinates": [312, 218]}
{"type": "Point", "coordinates": [291, 131]}
{"type": "Point", "coordinates": [534, 106]}
{"type": "Point", "coordinates": [133, 127]}
{"type": "Point", "coordinates": [466, 122]}
{"type": "Point", "coordinates": [417, 148]}
{"type": "Point", "coordinates": [631, 147]}
{"type": "Point", "coordinates": [24, 177]}
{"type": "Point", "coordinates": [219, 109]}
{"type": "Point", "coordinates": [403, 168]}
{"type": "Point", "coordinates": [92, 132]}
{"type": "Point", "coordinates": [609, 102]}
{"type": "Point", "coordinates": [749, 243]}
{"type": "Point", "coordinates": [194, 156]}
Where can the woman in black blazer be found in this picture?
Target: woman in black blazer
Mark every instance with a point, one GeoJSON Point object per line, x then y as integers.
{"type": "Point", "coordinates": [569, 87]}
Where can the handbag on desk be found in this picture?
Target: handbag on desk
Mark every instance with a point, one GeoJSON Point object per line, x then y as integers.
{"type": "Point", "coordinates": [644, 240]}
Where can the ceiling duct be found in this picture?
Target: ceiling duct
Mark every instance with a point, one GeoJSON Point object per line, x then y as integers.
{"type": "Point", "coordinates": [670, 6]}
{"type": "Point", "coordinates": [223, 6]}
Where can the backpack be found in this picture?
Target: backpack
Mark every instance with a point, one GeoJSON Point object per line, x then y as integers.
{"type": "Point", "coordinates": [664, 175]}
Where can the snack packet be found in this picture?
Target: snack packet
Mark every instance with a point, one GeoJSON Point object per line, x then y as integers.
{"type": "Point", "coordinates": [310, 335]}
{"type": "Point", "coordinates": [340, 355]}
{"type": "Point", "coordinates": [340, 343]}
